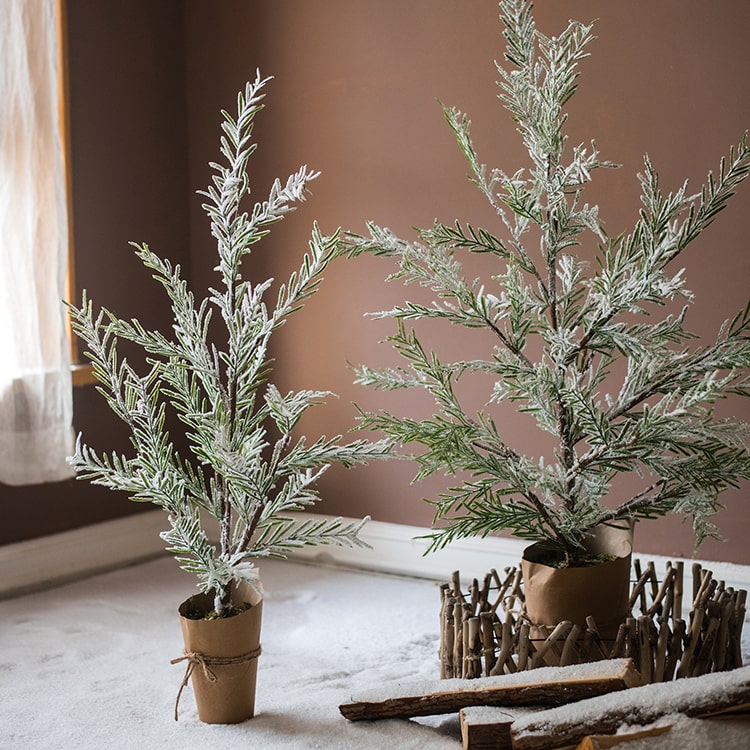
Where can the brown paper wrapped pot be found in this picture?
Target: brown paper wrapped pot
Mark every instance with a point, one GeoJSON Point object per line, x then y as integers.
{"type": "Point", "coordinates": [224, 693]}
{"type": "Point", "coordinates": [601, 591]}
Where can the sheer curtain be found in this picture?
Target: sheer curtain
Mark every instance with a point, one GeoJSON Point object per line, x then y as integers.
{"type": "Point", "coordinates": [35, 387]}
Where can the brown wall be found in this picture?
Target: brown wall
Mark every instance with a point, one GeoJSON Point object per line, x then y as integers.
{"type": "Point", "coordinates": [355, 96]}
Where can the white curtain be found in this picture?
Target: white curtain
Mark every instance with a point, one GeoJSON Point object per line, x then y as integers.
{"type": "Point", "coordinates": [35, 387]}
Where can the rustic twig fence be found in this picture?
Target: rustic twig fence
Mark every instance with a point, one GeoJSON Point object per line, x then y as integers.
{"type": "Point", "coordinates": [484, 631]}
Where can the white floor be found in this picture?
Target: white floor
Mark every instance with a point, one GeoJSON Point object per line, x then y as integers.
{"type": "Point", "coordinates": [87, 665]}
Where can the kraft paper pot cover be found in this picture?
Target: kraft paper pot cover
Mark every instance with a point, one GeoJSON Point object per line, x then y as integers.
{"type": "Point", "coordinates": [222, 657]}
{"type": "Point", "coordinates": [601, 591]}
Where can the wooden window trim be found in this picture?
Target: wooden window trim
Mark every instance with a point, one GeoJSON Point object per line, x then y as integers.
{"type": "Point", "coordinates": [81, 372]}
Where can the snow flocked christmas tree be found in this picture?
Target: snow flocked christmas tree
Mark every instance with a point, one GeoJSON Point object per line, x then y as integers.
{"type": "Point", "coordinates": [575, 341]}
{"type": "Point", "coordinates": [247, 466]}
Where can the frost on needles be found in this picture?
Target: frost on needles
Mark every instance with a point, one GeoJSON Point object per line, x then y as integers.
{"type": "Point", "coordinates": [246, 467]}
{"type": "Point", "coordinates": [577, 345]}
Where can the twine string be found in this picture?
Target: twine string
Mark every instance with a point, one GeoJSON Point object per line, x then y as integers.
{"type": "Point", "coordinates": [196, 659]}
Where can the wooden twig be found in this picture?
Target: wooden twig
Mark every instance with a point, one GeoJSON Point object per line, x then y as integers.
{"type": "Point", "coordinates": [504, 659]}
{"type": "Point", "coordinates": [593, 642]}
{"type": "Point", "coordinates": [678, 584]}
{"type": "Point", "coordinates": [657, 638]}
{"type": "Point", "coordinates": [487, 629]}
{"type": "Point", "coordinates": [567, 657]}
{"type": "Point", "coordinates": [692, 639]}
{"type": "Point", "coordinates": [550, 643]}
{"type": "Point", "coordinates": [640, 585]}
{"type": "Point", "coordinates": [446, 632]}
{"type": "Point", "coordinates": [472, 648]}
{"type": "Point", "coordinates": [674, 650]}
{"type": "Point", "coordinates": [666, 586]}
{"type": "Point", "coordinates": [662, 643]}
{"type": "Point", "coordinates": [735, 628]}
{"type": "Point", "coordinates": [524, 643]}
{"type": "Point", "coordinates": [645, 654]}
{"type": "Point", "coordinates": [456, 581]}
{"type": "Point", "coordinates": [458, 640]}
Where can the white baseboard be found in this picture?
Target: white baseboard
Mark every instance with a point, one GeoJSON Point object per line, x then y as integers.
{"type": "Point", "coordinates": [398, 549]}
{"type": "Point", "coordinates": [394, 548]}
{"type": "Point", "coordinates": [50, 560]}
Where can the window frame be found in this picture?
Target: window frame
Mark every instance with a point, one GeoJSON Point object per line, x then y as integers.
{"type": "Point", "coordinates": [80, 370]}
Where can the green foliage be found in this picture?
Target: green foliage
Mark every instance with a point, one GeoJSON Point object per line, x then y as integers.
{"type": "Point", "coordinates": [245, 471]}
{"type": "Point", "coordinates": [564, 330]}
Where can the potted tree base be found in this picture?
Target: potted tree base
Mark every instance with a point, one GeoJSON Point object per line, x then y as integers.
{"type": "Point", "coordinates": [586, 340]}
{"type": "Point", "coordinates": [598, 586]}
{"type": "Point", "coordinates": [222, 656]}
{"type": "Point", "coordinates": [672, 630]}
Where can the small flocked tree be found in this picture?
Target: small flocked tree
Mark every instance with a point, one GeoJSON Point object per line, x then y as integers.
{"type": "Point", "coordinates": [578, 345]}
{"type": "Point", "coordinates": [246, 467]}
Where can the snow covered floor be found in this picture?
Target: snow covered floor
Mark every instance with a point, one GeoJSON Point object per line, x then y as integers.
{"type": "Point", "coordinates": [87, 665]}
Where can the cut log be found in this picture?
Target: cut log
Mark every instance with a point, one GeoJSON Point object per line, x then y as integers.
{"type": "Point", "coordinates": [681, 731]}
{"type": "Point", "coordinates": [488, 727]}
{"type": "Point", "coordinates": [707, 695]}
{"type": "Point", "coordinates": [608, 741]}
{"type": "Point", "coordinates": [546, 686]}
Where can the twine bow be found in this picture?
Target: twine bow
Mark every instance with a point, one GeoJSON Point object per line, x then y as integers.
{"type": "Point", "coordinates": [195, 658]}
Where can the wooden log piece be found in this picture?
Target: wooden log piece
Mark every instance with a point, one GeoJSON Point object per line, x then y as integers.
{"type": "Point", "coordinates": [641, 706]}
{"type": "Point", "coordinates": [608, 741]}
{"type": "Point", "coordinates": [546, 686]}
{"type": "Point", "coordinates": [488, 727]}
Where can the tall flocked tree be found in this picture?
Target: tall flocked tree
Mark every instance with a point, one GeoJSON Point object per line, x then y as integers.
{"type": "Point", "coordinates": [247, 467]}
{"type": "Point", "coordinates": [576, 343]}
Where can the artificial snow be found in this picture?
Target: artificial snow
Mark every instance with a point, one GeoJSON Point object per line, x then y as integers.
{"type": "Point", "coordinates": [87, 665]}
